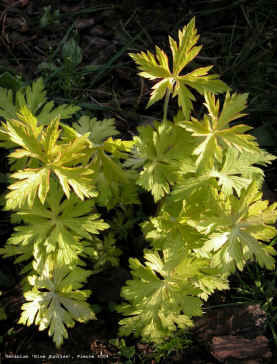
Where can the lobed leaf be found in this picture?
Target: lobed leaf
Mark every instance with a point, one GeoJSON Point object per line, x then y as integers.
{"type": "Point", "coordinates": [237, 231]}
{"type": "Point", "coordinates": [59, 303]}
{"type": "Point", "coordinates": [33, 98]}
{"type": "Point", "coordinates": [156, 67]}
{"type": "Point", "coordinates": [157, 305]}
{"type": "Point", "coordinates": [33, 182]}
{"type": "Point", "coordinates": [214, 133]}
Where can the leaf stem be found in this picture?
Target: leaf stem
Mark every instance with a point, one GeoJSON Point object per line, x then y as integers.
{"type": "Point", "coordinates": [166, 101]}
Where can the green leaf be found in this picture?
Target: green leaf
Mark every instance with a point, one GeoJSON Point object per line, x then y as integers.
{"type": "Point", "coordinates": [50, 112]}
{"type": "Point", "coordinates": [103, 254]}
{"type": "Point", "coordinates": [24, 135]}
{"type": "Point", "coordinates": [156, 67]}
{"type": "Point", "coordinates": [55, 302]}
{"type": "Point", "coordinates": [8, 108]}
{"type": "Point", "coordinates": [67, 161]}
{"type": "Point", "coordinates": [33, 98]}
{"type": "Point", "coordinates": [161, 152]}
{"type": "Point", "coordinates": [10, 81]}
{"type": "Point", "coordinates": [159, 303]}
{"type": "Point", "coordinates": [33, 182]}
{"type": "Point", "coordinates": [72, 52]}
{"type": "Point", "coordinates": [77, 178]}
{"type": "Point", "coordinates": [239, 229]}
{"type": "Point", "coordinates": [238, 170]}
{"type": "Point", "coordinates": [58, 224]}
{"type": "Point", "coordinates": [99, 130]}
{"type": "Point", "coordinates": [214, 133]}
{"type": "Point", "coordinates": [3, 315]}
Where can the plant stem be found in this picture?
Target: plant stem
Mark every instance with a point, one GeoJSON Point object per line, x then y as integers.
{"type": "Point", "coordinates": [166, 101]}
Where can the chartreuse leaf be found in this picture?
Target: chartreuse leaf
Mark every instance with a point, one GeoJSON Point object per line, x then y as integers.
{"type": "Point", "coordinates": [174, 82]}
{"type": "Point", "coordinates": [239, 169]}
{"type": "Point", "coordinates": [24, 133]}
{"type": "Point", "coordinates": [162, 150]}
{"type": "Point", "coordinates": [33, 183]}
{"type": "Point", "coordinates": [99, 130]}
{"type": "Point", "coordinates": [65, 160]}
{"type": "Point", "coordinates": [56, 225]}
{"type": "Point", "coordinates": [170, 228]}
{"type": "Point", "coordinates": [231, 109]}
{"type": "Point", "coordinates": [56, 302]}
{"type": "Point", "coordinates": [160, 301]}
{"type": "Point", "coordinates": [34, 98]}
{"type": "Point", "coordinates": [203, 276]}
{"type": "Point", "coordinates": [210, 218]}
{"type": "Point", "coordinates": [115, 184]}
{"type": "Point", "coordinates": [235, 173]}
{"type": "Point", "coordinates": [216, 135]}
{"type": "Point", "coordinates": [77, 178]}
{"type": "Point", "coordinates": [119, 149]}
{"type": "Point", "coordinates": [100, 133]}
{"type": "Point", "coordinates": [196, 188]}
{"type": "Point", "coordinates": [240, 230]}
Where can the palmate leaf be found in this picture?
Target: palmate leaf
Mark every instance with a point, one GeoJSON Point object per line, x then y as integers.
{"type": "Point", "coordinates": [230, 174]}
{"type": "Point", "coordinates": [235, 173]}
{"type": "Point", "coordinates": [113, 191]}
{"type": "Point", "coordinates": [239, 169]}
{"type": "Point", "coordinates": [99, 130]}
{"type": "Point", "coordinates": [216, 135]}
{"type": "Point", "coordinates": [33, 183]}
{"type": "Point", "coordinates": [204, 277]}
{"type": "Point", "coordinates": [19, 245]}
{"type": "Point", "coordinates": [8, 109]}
{"type": "Point", "coordinates": [161, 151]}
{"type": "Point", "coordinates": [171, 229]}
{"type": "Point", "coordinates": [34, 98]}
{"type": "Point", "coordinates": [103, 253]}
{"type": "Point", "coordinates": [241, 227]}
{"type": "Point", "coordinates": [157, 67]}
{"type": "Point", "coordinates": [100, 133]}
{"type": "Point", "coordinates": [77, 178]}
{"type": "Point", "coordinates": [55, 226]}
{"type": "Point", "coordinates": [157, 179]}
{"type": "Point", "coordinates": [115, 184]}
{"type": "Point", "coordinates": [24, 133]}
{"type": "Point", "coordinates": [118, 148]}
{"type": "Point", "coordinates": [56, 302]}
{"type": "Point", "coordinates": [189, 186]}
{"type": "Point", "coordinates": [157, 306]}
{"type": "Point", "coordinates": [68, 161]}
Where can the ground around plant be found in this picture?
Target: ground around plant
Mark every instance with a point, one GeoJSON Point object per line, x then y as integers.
{"type": "Point", "coordinates": [80, 48]}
